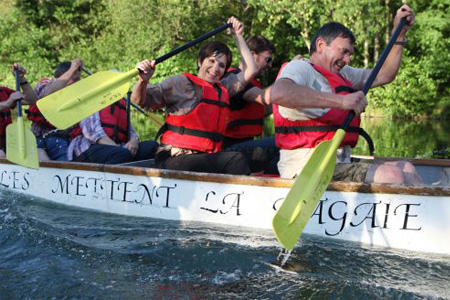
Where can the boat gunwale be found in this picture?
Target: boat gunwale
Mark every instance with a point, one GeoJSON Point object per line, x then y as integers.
{"type": "Point", "coordinates": [276, 182]}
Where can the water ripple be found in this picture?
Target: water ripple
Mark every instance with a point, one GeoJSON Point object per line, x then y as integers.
{"type": "Point", "coordinates": [51, 251]}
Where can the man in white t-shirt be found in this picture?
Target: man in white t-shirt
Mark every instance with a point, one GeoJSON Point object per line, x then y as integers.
{"type": "Point", "coordinates": [320, 92]}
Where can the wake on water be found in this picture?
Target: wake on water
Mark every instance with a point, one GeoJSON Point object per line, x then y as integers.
{"type": "Point", "coordinates": [49, 250]}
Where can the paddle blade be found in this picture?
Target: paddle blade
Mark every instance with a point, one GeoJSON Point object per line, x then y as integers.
{"type": "Point", "coordinates": [299, 204]}
{"type": "Point", "coordinates": [78, 101]}
{"type": "Point", "coordinates": [21, 146]}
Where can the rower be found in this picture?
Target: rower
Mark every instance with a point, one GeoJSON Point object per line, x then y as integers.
{"type": "Point", "coordinates": [315, 96]}
{"type": "Point", "coordinates": [108, 137]}
{"type": "Point", "coordinates": [197, 108]}
{"type": "Point", "coordinates": [51, 142]}
{"type": "Point", "coordinates": [8, 98]}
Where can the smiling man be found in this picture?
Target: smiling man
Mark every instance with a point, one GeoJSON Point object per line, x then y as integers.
{"type": "Point", "coordinates": [314, 97]}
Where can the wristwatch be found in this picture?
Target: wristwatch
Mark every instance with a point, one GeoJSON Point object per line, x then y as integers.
{"type": "Point", "coordinates": [402, 43]}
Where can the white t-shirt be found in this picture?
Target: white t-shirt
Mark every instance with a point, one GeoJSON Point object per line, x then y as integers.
{"type": "Point", "coordinates": [302, 73]}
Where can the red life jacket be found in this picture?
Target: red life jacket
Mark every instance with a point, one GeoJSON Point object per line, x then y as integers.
{"type": "Point", "coordinates": [202, 128]}
{"type": "Point", "coordinates": [247, 118]}
{"type": "Point", "coordinates": [33, 112]}
{"type": "Point", "coordinates": [114, 122]}
{"type": "Point", "coordinates": [35, 115]}
{"type": "Point", "coordinates": [5, 116]}
{"type": "Point", "coordinates": [290, 134]}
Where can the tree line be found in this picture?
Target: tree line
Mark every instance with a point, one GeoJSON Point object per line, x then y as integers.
{"type": "Point", "coordinates": [116, 34]}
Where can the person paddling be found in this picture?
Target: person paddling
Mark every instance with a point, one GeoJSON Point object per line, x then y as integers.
{"type": "Point", "coordinates": [8, 98]}
{"type": "Point", "coordinates": [52, 142]}
{"type": "Point", "coordinates": [197, 108]}
{"type": "Point", "coordinates": [318, 95]}
{"type": "Point", "coordinates": [108, 137]}
{"type": "Point", "coordinates": [247, 112]}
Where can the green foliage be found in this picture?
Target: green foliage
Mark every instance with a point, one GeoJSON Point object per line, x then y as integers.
{"type": "Point", "coordinates": [25, 44]}
{"type": "Point", "coordinates": [108, 34]}
{"type": "Point", "coordinates": [143, 127]}
{"type": "Point", "coordinates": [413, 93]}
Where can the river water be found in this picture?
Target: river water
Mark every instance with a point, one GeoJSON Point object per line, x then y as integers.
{"type": "Point", "coordinates": [49, 251]}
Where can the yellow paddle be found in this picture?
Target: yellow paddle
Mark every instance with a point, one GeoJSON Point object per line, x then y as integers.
{"type": "Point", "coordinates": [85, 97]}
{"type": "Point", "coordinates": [152, 116]}
{"type": "Point", "coordinates": [299, 204]}
{"type": "Point", "coordinates": [21, 145]}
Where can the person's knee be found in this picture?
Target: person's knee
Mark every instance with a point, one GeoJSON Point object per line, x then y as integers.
{"type": "Point", "coordinates": [238, 157]}
{"type": "Point", "coordinates": [120, 155]}
{"type": "Point", "coordinates": [42, 155]}
{"type": "Point", "coordinates": [126, 155]}
{"type": "Point", "coordinates": [409, 167]}
{"type": "Point", "coordinates": [259, 160]}
{"type": "Point", "coordinates": [385, 174]}
{"type": "Point", "coordinates": [238, 164]}
{"type": "Point", "coordinates": [153, 146]}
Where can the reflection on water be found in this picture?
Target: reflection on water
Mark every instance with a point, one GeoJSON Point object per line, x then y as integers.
{"type": "Point", "coordinates": [407, 138]}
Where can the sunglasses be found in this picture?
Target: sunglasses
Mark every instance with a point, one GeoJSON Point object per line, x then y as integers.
{"type": "Point", "coordinates": [268, 59]}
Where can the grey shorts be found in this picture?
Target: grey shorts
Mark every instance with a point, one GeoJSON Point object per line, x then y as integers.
{"type": "Point", "coordinates": [351, 172]}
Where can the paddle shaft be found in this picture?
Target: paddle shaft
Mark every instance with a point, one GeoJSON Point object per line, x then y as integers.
{"type": "Point", "coordinates": [192, 43]}
{"type": "Point", "coordinates": [21, 127]}
{"type": "Point", "coordinates": [128, 115]}
{"type": "Point", "coordinates": [19, 102]}
{"type": "Point", "coordinates": [376, 70]}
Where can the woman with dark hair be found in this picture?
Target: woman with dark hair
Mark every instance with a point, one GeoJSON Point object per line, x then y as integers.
{"type": "Point", "coordinates": [197, 108]}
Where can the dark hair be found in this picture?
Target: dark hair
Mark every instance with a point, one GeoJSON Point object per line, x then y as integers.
{"type": "Point", "coordinates": [329, 32]}
{"type": "Point", "coordinates": [62, 68]}
{"type": "Point", "coordinates": [259, 44]}
{"type": "Point", "coordinates": [214, 48]}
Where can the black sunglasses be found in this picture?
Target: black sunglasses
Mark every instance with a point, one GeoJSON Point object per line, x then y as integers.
{"type": "Point", "coordinates": [269, 60]}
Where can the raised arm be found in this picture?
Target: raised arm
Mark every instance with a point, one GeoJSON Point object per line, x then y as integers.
{"type": "Point", "coordinates": [249, 69]}
{"type": "Point", "coordinates": [392, 64]}
{"type": "Point", "coordinates": [69, 77]}
{"type": "Point", "coordinates": [28, 92]}
{"type": "Point", "coordinates": [146, 69]}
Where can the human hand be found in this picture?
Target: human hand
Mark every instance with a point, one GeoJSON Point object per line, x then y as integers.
{"type": "Point", "coordinates": [13, 98]}
{"type": "Point", "coordinates": [237, 27]}
{"type": "Point", "coordinates": [76, 64]}
{"type": "Point", "coordinates": [133, 146]}
{"type": "Point", "coordinates": [297, 57]}
{"type": "Point", "coordinates": [146, 69]}
{"type": "Point", "coordinates": [20, 70]}
{"type": "Point", "coordinates": [404, 11]}
{"type": "Point", "coordinates": [355, 101]}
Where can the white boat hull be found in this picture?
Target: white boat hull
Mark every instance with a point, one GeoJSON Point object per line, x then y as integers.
{"type": "Point", "coordinates": [394, 217]}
